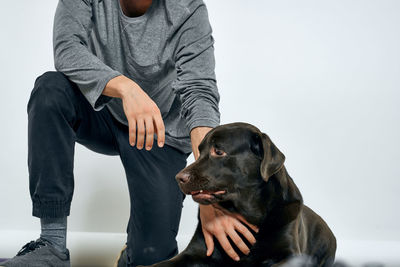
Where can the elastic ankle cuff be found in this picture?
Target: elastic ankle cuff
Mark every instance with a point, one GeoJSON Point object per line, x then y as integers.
{"type": "Point", "coordinates": [51, 209]}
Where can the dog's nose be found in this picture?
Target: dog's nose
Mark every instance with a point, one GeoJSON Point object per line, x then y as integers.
{"type": "Point", "coordinates": [183, 177]}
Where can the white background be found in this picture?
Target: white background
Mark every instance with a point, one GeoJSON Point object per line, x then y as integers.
{"type": "Point", "coordinates": [321, 78]}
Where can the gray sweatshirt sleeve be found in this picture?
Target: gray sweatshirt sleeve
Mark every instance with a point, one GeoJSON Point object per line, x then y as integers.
{"type": "Point", "coordinates": [72, 24]}
{"type": "Point", "coordinates": [195, 64]}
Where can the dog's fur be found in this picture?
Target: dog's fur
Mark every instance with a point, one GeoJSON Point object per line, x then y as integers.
{"type": "Point", "coordinates": [242, 171]}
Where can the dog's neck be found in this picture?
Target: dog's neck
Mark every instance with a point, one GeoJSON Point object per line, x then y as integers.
{"type": "Point", "coordinates": [259, 204]}
{"type": "Point", "coordinates": [278, 204]}
{"type": "Point", "coordinates": [282, 199]}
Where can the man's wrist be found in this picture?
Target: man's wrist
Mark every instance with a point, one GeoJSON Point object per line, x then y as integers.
{"type": "Point", "coordinates": [196, 135]}
{"type": "Point", "coordinates": [119, 86]}
{"type": "Point", "coordinates": [205, 208]}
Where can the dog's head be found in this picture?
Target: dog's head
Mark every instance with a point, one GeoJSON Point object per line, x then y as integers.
{"type": "Point", "coordinates": [235, 161]}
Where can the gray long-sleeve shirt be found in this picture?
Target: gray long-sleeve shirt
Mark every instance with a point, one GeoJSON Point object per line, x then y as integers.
{"type": "Point", "coordinates": [168, 51]}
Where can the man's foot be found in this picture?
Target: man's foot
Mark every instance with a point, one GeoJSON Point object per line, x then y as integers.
{"type": "Point", "coordinates": [39, 253]}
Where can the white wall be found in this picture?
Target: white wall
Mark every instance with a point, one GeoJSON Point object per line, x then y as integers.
{"type": "Point", "coordinates": [320, 77]}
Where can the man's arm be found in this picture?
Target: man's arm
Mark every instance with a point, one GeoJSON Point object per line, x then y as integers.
{"type": "Point", "coordinates": [72, 24]}
{"type": "Point", "coordinates": [97, 81]}
{"type": "Point", "coordinates": [196, 85]}
{"type": "Point", "coordinates": [196, 82]}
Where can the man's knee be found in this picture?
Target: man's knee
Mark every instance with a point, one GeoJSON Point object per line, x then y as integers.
{"type": "Point", "coordinates": [49, 91]}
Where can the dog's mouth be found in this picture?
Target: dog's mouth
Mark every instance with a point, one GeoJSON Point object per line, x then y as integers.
{"type": "Point", "coordinates": [202, 196]}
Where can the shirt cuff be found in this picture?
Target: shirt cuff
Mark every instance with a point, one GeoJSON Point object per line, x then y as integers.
{"type": "Point", "coordinates": [98, 99]}
{"type": "Point", "coordinates": [202, 122]}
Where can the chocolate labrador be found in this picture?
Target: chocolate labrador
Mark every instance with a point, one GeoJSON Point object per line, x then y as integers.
{"type": "Point", "coordinates": [242, 171]}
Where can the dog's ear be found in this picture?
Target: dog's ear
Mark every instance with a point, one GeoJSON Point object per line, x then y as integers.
{"type": "Point", "coordinates": [272, 158]}
{"type": "Point", "coordinates": [271, 163]}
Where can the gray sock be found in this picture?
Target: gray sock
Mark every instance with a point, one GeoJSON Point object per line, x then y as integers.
{"type": "Point", "coordinates": [54, 230]}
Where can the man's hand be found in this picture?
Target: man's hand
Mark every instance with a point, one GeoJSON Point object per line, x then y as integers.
{"type": "Point", "coordinates": [221, 223]}
{"type": "Point", "coordinates": [218, 222]}
{"type": "Point", "coordinates": [141, 112]}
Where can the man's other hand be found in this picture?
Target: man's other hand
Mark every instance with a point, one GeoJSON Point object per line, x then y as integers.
{"type": "Point", "coordinates": [142, 113]}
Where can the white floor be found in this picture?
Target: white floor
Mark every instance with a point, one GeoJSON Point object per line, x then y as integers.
{"type": "Point", "coordinates": [101, 249]}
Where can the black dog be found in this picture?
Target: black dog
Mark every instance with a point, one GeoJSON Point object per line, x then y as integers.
{"type": "Point", "coordinates": [242, 171]}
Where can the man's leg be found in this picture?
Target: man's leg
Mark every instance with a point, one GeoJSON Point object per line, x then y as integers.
{"type": "Point", "coordinates": [156, 200]}
{"type": "Point", "coordinates": [58, 115]}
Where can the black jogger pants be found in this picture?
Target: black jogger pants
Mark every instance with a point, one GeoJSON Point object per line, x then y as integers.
{"type": "Point", "coordinates": [58, 116]}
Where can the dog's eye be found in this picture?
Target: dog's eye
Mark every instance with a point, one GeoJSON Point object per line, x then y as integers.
{"type": "Point", "coordinates": [217, 152]}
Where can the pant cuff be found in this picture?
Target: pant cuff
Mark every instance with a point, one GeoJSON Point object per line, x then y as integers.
{"type": "Point", "coordinates": [51, 209]}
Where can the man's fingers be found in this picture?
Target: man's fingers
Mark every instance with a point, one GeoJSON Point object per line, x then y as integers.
{"type": "Point", "coordinates": [132, 131]}
{"type": "Point", "coordinates": [209, 242]}
{"type": "Point", "coordinates": [160, 129]}
{"type": "Point", "coordinates": [242, 219]}
{"type": "Point", "coordinates": [223, 240]}
{"type": "Point", "coordinates": [140, 133]}
{"type": "Point", "coordinates": [238, 241]}
{"type": "Point", "coordinates": [245, 232]}
{"type": "Point", "coordinates": [149, 133]}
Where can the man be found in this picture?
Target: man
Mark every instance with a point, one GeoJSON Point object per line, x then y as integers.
{"type": "Point", "coordinates": [130, 73]}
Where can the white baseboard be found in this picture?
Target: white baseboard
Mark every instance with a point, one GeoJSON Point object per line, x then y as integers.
{"type": "Point", "coordinates": [90, 249]}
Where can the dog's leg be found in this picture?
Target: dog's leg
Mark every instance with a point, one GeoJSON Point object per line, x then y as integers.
{"type": "Point", "coordinates": [296, 261]}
